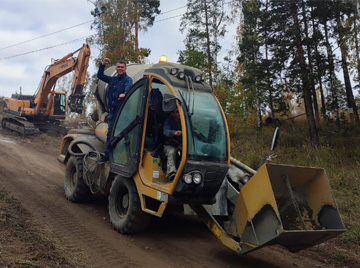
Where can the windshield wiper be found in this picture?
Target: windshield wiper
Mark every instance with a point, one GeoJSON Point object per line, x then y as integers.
{"type": "Point", "coordinates": [189, 114]}
{"type": "Point", "coordinates": [191, 89]}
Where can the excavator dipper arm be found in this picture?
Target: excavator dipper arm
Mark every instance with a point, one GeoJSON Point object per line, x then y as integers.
{"type": "Point", "coordinates": [76, 97]}
{"type": "Point", "coordinates": [60, 68]}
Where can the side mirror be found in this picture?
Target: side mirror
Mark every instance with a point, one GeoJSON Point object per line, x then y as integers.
{"type": "Point", "coordinates": [275, 139]}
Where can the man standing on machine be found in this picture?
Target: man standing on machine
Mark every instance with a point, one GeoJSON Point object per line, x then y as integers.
{"type": "Point", "coordinates": [118, 86]}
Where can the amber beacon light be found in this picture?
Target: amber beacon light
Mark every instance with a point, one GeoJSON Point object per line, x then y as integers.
{"type": "Point", "coordinates": [163, 59]}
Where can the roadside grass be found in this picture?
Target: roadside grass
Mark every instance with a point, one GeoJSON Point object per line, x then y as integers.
{"type": "Point", "coordinates": [51, 138]}
{"type": "Point", "coordinates": [339, 155]}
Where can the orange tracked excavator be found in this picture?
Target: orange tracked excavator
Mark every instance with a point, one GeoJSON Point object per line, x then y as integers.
{"type": "Point", "coordinates": [47, 107]}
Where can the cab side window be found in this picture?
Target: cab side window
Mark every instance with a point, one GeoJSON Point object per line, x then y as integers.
{"type": "Point", "coordinates": [126, 148]}
{"type": "Point", "coordinates": [156, 116]}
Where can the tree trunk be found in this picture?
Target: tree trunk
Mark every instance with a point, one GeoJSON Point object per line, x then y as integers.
{"type": "Point", "coordinates": [258, 110]}
{"type": "Point", "coordinates": [319, 69]}
{"type": "Point", "coordinates": [349, 93]}
{"type": "Point", "coordinates": [313, 132]}
{"type": "Point", "coordinates": [268, 82]}
{"type": "Point", "coordinates": [208, 44]}
{"type": "Point", "coordinates": [335, 103]}
{"type": "Point", "coordinates": [357, 50]}
{"type": "Point", "coordinates": [137, 51]}
{"type": "Point", "coordinates": [311, 69]}
{"type": "Point", "coordinates": [215, 52]}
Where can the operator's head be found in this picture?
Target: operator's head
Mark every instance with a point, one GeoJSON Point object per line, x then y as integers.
{"type": "Point", "coordinates": [175, 114]}
{"type": "Point", "coordinates": [121, 67]}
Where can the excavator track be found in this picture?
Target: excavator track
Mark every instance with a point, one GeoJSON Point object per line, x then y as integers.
{"type": "Point", "coordinates": [18, 125]}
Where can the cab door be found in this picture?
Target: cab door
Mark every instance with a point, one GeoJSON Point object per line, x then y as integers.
{"type": "Point", "coordinates": [127, 132]}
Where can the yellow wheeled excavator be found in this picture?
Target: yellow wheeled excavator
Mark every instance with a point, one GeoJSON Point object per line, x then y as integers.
{"type": "Point", "coordinates": [45, 109]}
{"type": "Point", "coordinates": [277, 204]}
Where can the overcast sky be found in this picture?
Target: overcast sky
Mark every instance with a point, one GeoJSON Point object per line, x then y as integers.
{"type": "Point", "coordinates": [24, 52]}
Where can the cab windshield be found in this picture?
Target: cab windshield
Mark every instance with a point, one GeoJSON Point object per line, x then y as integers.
{"type": "Point", "coordinates": [59, 104]}
{"type": "Point", "coordinates": [206, 131]}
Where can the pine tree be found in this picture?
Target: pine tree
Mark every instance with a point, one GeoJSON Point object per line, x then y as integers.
{"type": "Point", "coordinates": [250, 57]}
{"type": "Point", "coordinates": [319, 60]}
{"type": "Point", "coordinates": [314, 137]}
{"type": "Point", "coordinates": [310, 60]}
{"type": "Point", "coordinates": [204, 22]}
{"type": "Point", "coordinates": [345, 9]}
{"type": "Point", "coordinates": [193, 57]}
{"type": "Point", "coordinates": [325, 15]}
{"type": "Point", "coordinates": [119, 26]}
{"type": "Point", "coordinates": [144, 16]}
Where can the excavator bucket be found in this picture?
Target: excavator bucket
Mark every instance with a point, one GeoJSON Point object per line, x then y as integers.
{"type": "Point", "coordinates": [286, 205]}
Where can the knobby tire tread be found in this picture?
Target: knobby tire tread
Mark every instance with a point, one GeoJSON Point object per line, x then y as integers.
{"type": "Point", "coordinates": [81, 192]}
{"type": "Point", "coordinates": [137, 220]}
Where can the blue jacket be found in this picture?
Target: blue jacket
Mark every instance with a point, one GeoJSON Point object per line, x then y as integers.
{"type": "Point", "coordinates": [170, 126]}
{"type": "Point", "coordinates": [116, 86]}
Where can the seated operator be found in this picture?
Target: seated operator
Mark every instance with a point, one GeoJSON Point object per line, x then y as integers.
{"type": "Point", "coordinates": [173, 138]}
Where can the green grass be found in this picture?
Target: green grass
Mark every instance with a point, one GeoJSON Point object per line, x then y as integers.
{"type": "Point", "coordinates": [339, 155]}
{"type": "Point", "coordinates": [52, 138]}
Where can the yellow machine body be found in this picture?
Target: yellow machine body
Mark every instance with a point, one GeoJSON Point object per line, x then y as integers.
{"type": "Point", "coordinates": [286, 205]}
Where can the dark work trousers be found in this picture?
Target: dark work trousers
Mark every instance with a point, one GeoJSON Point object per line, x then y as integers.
{"type": "Point", "coordinates": [111, 118]}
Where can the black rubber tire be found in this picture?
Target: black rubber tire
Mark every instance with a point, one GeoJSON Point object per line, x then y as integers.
{"type": "Point", "coordinates": [75, 188]}
{"type": "Point", "coordinates": [126, 215]}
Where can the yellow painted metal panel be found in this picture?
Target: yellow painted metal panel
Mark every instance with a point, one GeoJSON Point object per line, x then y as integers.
{"type": "Point", "coordinates": [253, 196]}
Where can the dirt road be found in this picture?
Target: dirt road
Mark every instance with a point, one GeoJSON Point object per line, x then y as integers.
{"type": "Point", "coordinates": [29, 171]}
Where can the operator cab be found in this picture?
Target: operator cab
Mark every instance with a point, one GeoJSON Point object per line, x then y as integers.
{"type": "Point", "coordinates": [59, 104]}
{"type": "Point", "coordinates": [137, 143]}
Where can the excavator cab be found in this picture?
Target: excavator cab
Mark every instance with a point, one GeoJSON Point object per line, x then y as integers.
{"type": "Point", "coordinates": [55, 106]}
{"type": "Point", "coordinates": [60, 105]}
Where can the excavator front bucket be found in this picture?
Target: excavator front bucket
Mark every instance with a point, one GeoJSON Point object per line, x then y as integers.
{"type": "Point", "coordinates": [286, 205]}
